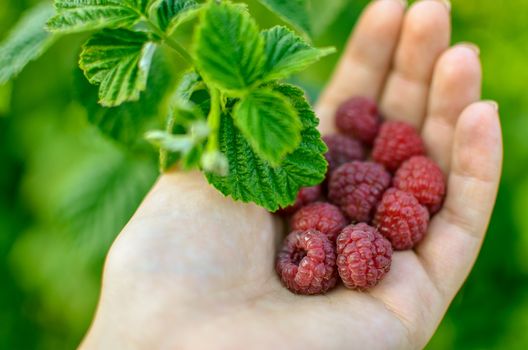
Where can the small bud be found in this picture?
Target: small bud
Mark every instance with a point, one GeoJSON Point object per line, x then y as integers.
{"type": "Point", "coordinates": [200, 130]}
{"type": "Point", "coordinates": [215, 162]}
{"type": "Point", "coordinates": [173, 143]}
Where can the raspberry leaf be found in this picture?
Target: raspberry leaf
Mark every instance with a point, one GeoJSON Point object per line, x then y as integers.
{"type": "Point", "coordinates": [191, 103]}
{"type": "Point", "coordinates": [287, 53]}
{"type": "Point", "coordinates": [270, 124]}
{"type": "Point", "coordinates": [252, 179]}
{"type": "Point", "coordinates": [294, 12]}
{"type": "Point", "coordinates": [118, 61]}
{"type": "Point", "coordinates": [128, 122]}
{"type": "Point", "coordinates": [26, 42]}
{"type": "Point", "coordinates": [171, 13]}
{"type": "Point", "coordinates": [81, 15]}
{"type": "Point", "coordinates": [228, 48]}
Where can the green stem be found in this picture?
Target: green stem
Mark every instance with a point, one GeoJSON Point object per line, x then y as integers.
{"type": "Point", "coordinates": [213, 121]}
{"type": "Point", "coordinates": [173, 44]}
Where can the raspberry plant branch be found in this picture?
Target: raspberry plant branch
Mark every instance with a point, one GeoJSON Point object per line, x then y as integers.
{"type": "Point", "coordinates": [170, 42]}
{"type": "Point", "coordinates": [213, 121]}
{"type": "Point", "coordinates": [254, 137]}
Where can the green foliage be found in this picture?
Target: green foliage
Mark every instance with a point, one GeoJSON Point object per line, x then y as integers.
{"type": "Point", "coordinates": [286, 53]}
{"type": "Point", "coordinates": [294, 12]}
{"type": "Point", "coordinates": [323, 13]}
{"type": "Point", "coordinates": [119, 61]}
{"type": "Point", "coordinates": [128, 122]}
{"type": "Point", "coordinates": [184, 138]}
{"type": "Point", "coordinates": [26, 42]}
{"type": "Point", "coordinates": [235, 60]}
{"type": "Point", "coordinates": [171, 13]}
{"type": "Point", "coordinates": [228, 48]}
{"type": "Point", "coordinates": [252, 179]}
{"type": "Point", "coordinates": [98, 182]}
{"type": "Point", "coordinates": [270, 124]}
{"type": "Point", "coordinates": [5, 97]}
{"type": "Point", "coordinates": [186, 130]}
{"type": "Point", "coordinates": [77, 16]}
{"type": "Point", "coordinates": [234, 64]}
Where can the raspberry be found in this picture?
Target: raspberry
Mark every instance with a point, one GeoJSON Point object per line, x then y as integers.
{"type": "Point", "coordinates": [363, 256]}
{"type": "Point", "coordinates": [396, 142]}
{"type": "Point", "coordinates": [358, 117]}
{"type": "Point", "coordinates": [306, 263]}
{"type": "Point", "coordinates": [401, 218]}
{"type": "Point", "coordinates": [357, 187]}
{"type": "Point", "coordinates": [305, 196]}
{"type": "Point", "coordinates": [422, 178]}
{"type": "Point", "coordinates": [323, 217]}
{"type": "Point", "coordinates": [342, 149]}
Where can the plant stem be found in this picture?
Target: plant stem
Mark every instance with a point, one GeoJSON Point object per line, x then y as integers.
{"type": "Point", "coordinates": [180, 50]}
{"type": "Point", "coordinates": [173, 44]}
{"type": "Point", "coordinates": [213, 121]}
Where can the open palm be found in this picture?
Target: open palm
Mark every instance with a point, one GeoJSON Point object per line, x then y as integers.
{"type": "Point", "coordinates": [195, 270]}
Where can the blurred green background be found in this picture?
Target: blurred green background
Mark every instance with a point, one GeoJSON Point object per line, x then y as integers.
{"type": "Point", "coordinates": [66, 190]}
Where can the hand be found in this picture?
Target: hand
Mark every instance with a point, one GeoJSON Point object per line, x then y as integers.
{"type": "Point", "coordinates": [195, 270]}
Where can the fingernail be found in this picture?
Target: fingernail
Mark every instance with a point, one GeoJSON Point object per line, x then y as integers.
{"type": "Point", "coordinates": [471, 46]}
{"type": "Point", "coordinates": [493, 104]}
{"type": "Point", "coordinates": [447, 4]}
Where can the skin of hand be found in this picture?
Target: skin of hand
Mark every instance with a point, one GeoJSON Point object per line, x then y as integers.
{"type": "Point", "coordinates": [195, 270]}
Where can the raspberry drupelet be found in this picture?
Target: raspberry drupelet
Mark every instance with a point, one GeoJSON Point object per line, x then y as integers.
{"type": "Point", "coordinates": [422, 178]}
{"type": "Point", "coordinates": [401, 218]}
{"type": "Point", "coordinates": [306, 263]}
{"type": "Point", "coordinates": [358, 117]}
{"type": "Point", "coordinates": [396, 142]}
{"type": "Point", "coordinates": [342, 149]}
{"type": "Point", "coordinates": [323, 217]}
{"type": "Point", "coordinates": [364, 256]}
{"type": "Point", "coordinates": [357, 187]}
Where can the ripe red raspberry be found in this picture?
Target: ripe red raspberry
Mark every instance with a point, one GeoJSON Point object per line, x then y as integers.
{"type": "Point", "coordinates": [305, 196]}
{"type": "Point", "coordinates": [396, 142]}
{"type": "Point", "coordinates": [357, 187]}
{"type": "Point", "coordinates": [364, 256]}
{"type": "Point", "coordinates": [422, 178]}
{"type": "Point", "coordinates": [342, 149]}
{"type": "Point", "coordinates": [401, 219]}
{"type": "Point", "coordinates": [323, 217]}
{"type": "Point", "coordinates": [306, 263]}
{"type": "Point", "coordinates": [359, 117]}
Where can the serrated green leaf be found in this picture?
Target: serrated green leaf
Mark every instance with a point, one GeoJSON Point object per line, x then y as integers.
{"type": "Point", "coordinates": [192, 94]}
{"type": "Point", "coordinates": [189, 83]}
{"type": "Point", "coordinates": [270, 123]}
{"type": "Point", "coordinates": [252, 179]}
{"type": "Point", "coordinates": [171, 13]}
{"type": "Point", "coordinates": [26, 42]}
{"type": "Point", "coordinates": [193, 88]}
{"type": "Point", "coordinates": [185, 113]}
{"type": "Point", "coordinates": [287, 53]}
{"type": "Point", "coordinates": [119, 61]}
{"type": "Point", "coordinates": [294, 12]}
{"type": "Point", "coordinates": [81, 15]}
{"type": "Point", "coordinates": [228, 49]}
{"type": "Point", "coordinates": [128, 122]}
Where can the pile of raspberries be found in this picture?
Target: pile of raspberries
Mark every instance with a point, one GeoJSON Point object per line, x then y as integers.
{"type": "Point", "coordinates": [347, 227]}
